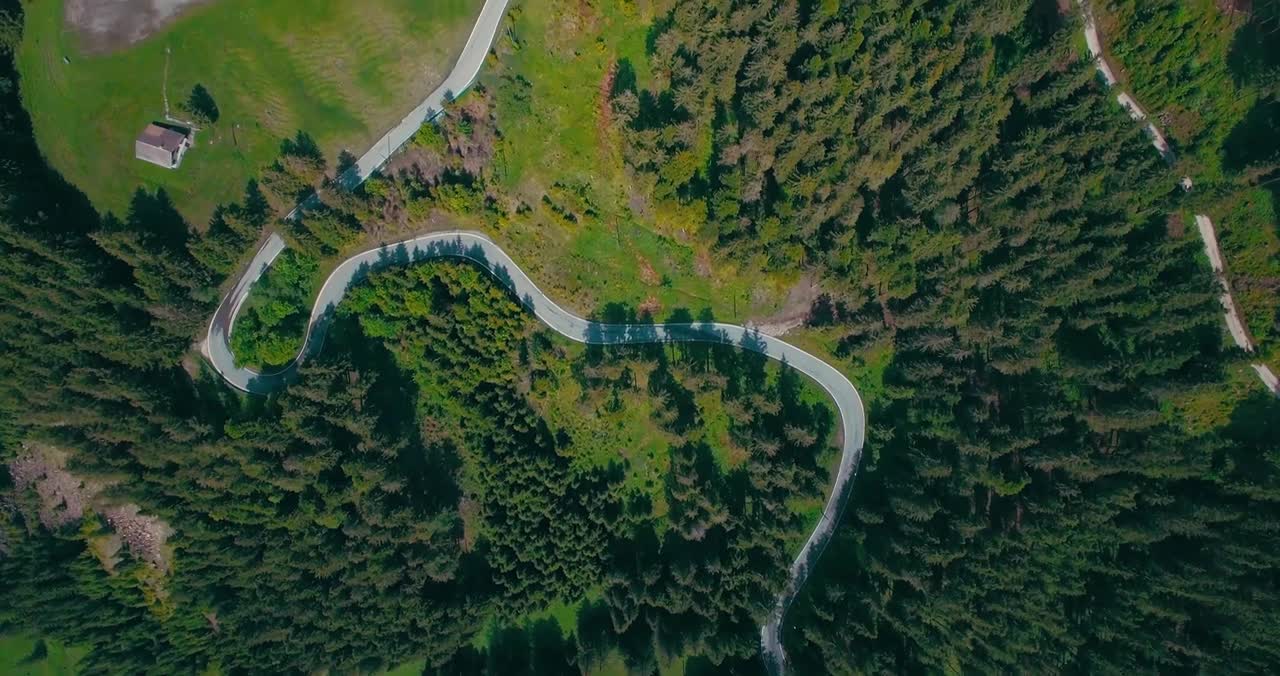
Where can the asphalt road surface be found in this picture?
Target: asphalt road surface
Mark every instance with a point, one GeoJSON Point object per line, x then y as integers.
{"type": "Point", "coordinates": [484, 252]}
{"type": "Point", "coordinates": [464, 72]}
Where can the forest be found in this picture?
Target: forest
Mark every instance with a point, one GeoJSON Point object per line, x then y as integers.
{"type": "Point", "coordinates": [1212, 78]}
{"type": "Point", "coordinates": [1062, 471]}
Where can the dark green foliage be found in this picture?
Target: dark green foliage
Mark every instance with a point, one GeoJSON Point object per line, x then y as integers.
{"type": "Point", "coordinates": [1195, 67]}
{"type": "Point", "coordinates": [976, 201]}
{"type": "Point", "coordinates": [297, 173]}
{"type": "Point", "coordinates": [537, 649]}
{"type": "Point", "coordinates": [973, 200]}
{"type": "Point", "coordinates": [554, 529]}
{"type": "Point", "coordinates": [781, 119]}
{"type": "Point", "coordinates": [232, 232]}
{"type": "Point", "coordinates": [324, 528]}
{"type": "Point", "coordinates": [201, 106]}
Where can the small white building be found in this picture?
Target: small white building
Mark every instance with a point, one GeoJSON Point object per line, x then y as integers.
{"type": "Point", "coordinates": [162, 146]}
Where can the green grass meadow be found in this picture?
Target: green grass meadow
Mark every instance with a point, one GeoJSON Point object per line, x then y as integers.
{"type": "Point", "coordinates": [341, 72]}
{"type": "Point", "coordinates": [1247, 232]}
{"type": "Point", "coordinates": [636, 250]}
{"type": "Point", "coordinates": [23, 656]}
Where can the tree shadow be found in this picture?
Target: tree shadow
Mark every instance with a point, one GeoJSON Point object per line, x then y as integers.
{"type": "Point", "coordinates": [301, 145]}
{"type": "Point", "coordinates": [155, 216]}
{"type": "Point", "coordinates": [732, 666]}
{"type": "Point", "coordinates": [1253, 429]}
{"type": "Point", "coordinates": [429, 470]}
{"type": "Point", "coordinates": [624, 79]}
{"type": "Point", "coordinates": [346, 162]}
{"type": "Point", "coordinates": [1255, 139]}
{"type": "Point", "coordinates": [1255, 49]}
{"type": "Point", "coordinates": [536, 649]}
{"type": "Point", "coordinates": [201, 105]}
{"type": "Point", "coordinates": [656, 29]}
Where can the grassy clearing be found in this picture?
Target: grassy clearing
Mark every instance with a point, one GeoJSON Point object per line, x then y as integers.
{"type": "Point", "coordinates": [342, 72]}
{"type": "Point", "coordinates": [551, 82]}
{"type": "Point", "coordinates": [547, 88]}
{"type": "Point", "coordinates": [563, 613]}
{"type": "Point", "coordinates": [414, 668]}
{"type": "Point", "coordinates": [1176, 57]}
{"type": "Point", "coordinates": [865, 369]}
{"type": "Point", "coordinates": [625, 430]}
{"type": "Point", "coordinates": [1246, 225]}
{"type": "Point", "coordinates": [603, 433]}
{"type": "Point", "coordinates": [1210, 407]}
{"type": "Point", "coordinates": [21, 656]}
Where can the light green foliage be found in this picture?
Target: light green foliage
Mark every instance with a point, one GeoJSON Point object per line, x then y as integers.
{"type": "Point", "coordinates": [498, 388]}
{"type": "Point", "coordinates": [1176, 55]}
{"type": "Point", "coordinates": [459, 199]}
{"type": "Point", "coordinates": [429, 137]}
{"type": "Point", "coordinates": [550, 88]}
{"type": "Point", "coordinates": [21, 656]}
{"type": "Point", "coordinates": [1247, 232]}
{"type": "Point", "coordinates": [271, 325]}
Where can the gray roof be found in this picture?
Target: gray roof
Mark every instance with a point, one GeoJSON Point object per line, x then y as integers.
{"type": "Point", "coordinates": [157, 145]}
{"type": "Point", "coordinates": [162, 137]}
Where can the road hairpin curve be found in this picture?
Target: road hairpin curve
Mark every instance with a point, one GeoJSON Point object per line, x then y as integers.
{"type": "Point", "coordinates": [482, 251]}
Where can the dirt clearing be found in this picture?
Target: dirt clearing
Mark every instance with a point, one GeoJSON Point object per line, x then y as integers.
{"type": "Point", "coordinates": [108, 25]}
{"type": "Point", "coordinates": [794, 312]}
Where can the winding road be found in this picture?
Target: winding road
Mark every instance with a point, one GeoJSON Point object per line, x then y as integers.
{"type": "Point", "coordinates": [482, 251]}
{"type": "Point", "coordinates": [464, 72]}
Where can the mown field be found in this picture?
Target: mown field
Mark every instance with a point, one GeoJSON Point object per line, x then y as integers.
{"type": "Point", "coordinates": [341, 72]}
{"type": "Point", "coordinates": [22, 656]}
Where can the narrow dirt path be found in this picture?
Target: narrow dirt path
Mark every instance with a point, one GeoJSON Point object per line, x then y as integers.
{"type": "Point", "coordinates": [1208, 234]}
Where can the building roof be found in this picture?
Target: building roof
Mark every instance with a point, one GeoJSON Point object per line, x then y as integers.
{"type": "Point", "coordinates": [161, 137]}
{"type": "Point", "coordinates": [159, 145]}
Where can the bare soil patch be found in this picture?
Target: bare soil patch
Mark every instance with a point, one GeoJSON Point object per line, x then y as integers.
{"type": "Point", "coordinates": [794, 312]}
{"type": "Point", "coordinates": [109, 25]}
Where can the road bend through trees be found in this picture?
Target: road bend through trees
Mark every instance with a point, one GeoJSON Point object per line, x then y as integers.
{"type": "Point", "coordinates": [482, 251]}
